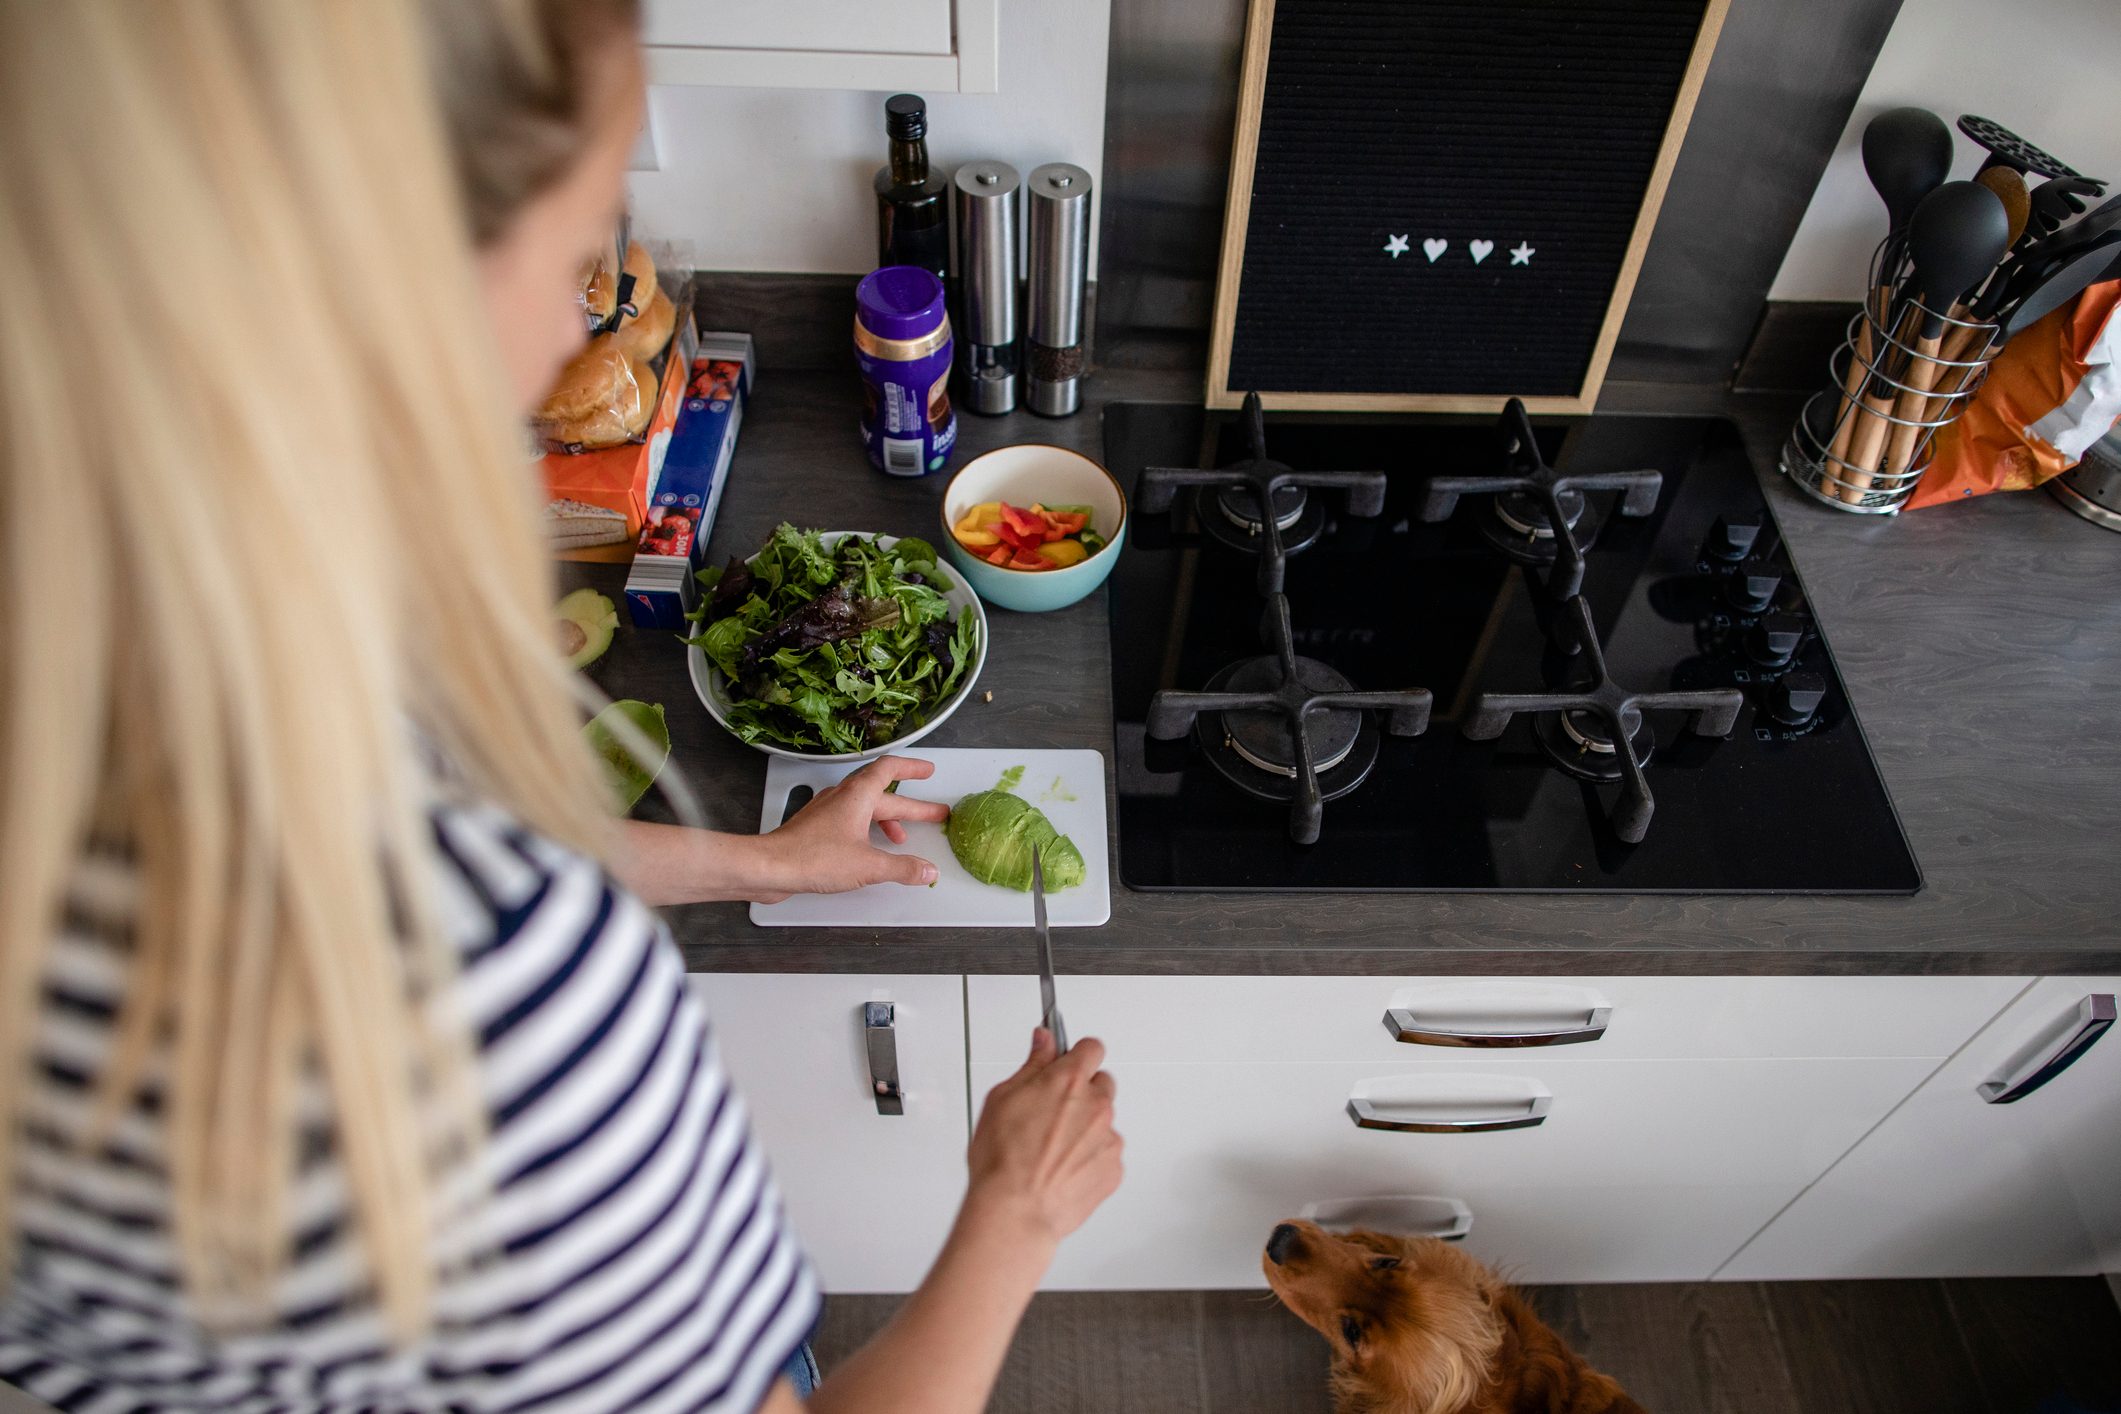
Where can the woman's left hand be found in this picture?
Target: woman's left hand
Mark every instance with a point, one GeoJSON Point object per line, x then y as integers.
{"type": "Point", "coordinates": [824, 848]}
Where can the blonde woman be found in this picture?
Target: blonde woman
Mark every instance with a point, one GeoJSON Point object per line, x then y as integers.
{"type": "Point", "coordinates": [340, 1068]}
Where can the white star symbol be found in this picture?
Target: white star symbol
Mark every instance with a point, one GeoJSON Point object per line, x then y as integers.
{"type": "Point", "coordinates": [1396, 246]}
{"type": "Point", "coordinates": [1520, 254]}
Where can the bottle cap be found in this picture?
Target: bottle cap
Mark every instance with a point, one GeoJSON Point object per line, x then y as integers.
{"type": "Point", "coordinates": [905, 117]}
{"type": "Point", "coordinates": [899, 302]}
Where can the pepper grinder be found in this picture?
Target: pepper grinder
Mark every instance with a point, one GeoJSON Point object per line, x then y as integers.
{"type": "Point", "coordinates": [1059, 255]}
{"type": "Point", "coordinates": [985, 194]}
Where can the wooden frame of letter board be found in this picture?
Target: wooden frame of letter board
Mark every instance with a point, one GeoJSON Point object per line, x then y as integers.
{"type": "Point", "coordinates": [1259, 33]}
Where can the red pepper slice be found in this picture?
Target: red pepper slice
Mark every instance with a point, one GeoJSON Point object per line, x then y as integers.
{"type": "Point", "coordinates": [1023, 522]}
{"type": "Point", "coordinates": [1022, 561]}
{"type": "Point", "coordinates": [999, 555]}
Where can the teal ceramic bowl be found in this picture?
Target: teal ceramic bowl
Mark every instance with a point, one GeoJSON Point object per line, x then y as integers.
{"type": "Point", "coordinates": [1053, 476]}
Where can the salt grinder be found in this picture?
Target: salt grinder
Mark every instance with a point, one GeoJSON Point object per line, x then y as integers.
{"type": "Point", "coordinates": [1059, 258]}
{"type": "Point", "coordinates": [985, 194]}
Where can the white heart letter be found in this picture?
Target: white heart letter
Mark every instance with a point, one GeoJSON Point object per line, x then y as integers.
{"type": "Point", "coordinates": [1481, 250]}
{"type": "Point", "coordinates": [1434, 247]}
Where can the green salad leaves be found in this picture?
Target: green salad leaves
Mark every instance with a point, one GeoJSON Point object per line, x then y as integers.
{"type": "Point", "coordinates": [833, 649]}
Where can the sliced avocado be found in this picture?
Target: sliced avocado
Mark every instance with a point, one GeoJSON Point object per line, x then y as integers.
{"type": "Point", "coordinates": [992, 834]}
{"type": "Point", "coordinates": [584, 621]}
{"type": "Point", "coordinates": [630, 775]}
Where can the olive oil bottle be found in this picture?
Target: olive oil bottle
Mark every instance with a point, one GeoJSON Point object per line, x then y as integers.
{"type": "Point", "coordinates": [911, 216]}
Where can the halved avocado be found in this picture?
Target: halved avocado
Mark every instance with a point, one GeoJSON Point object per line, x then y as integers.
{"type": "Point", "coordinates": [584, 621]}
{"type": "Point", "coordinates": [630, 775]}
{"type": "Point", "coordinates": [992, 834]}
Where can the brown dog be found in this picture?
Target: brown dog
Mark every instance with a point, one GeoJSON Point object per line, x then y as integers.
{"type": "Point", "coordinates": [1418, 1327]}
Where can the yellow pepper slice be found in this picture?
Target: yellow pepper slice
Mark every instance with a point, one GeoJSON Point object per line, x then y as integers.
{"type": "Point", "coordinates": [1064, 552]}
{"type": "Point", "coordinates": [975, 537]}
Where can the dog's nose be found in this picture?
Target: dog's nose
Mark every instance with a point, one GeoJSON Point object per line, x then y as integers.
{"type": "Point", "coordinates": [1280, 1242]}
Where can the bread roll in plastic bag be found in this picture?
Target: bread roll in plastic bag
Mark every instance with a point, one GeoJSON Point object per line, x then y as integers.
{"type": "Point", "coordinates": [603, 397]}
{"type": "Point", "coordinates": [2053, 391]}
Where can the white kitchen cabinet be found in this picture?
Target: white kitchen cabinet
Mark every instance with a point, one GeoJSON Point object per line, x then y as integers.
{"type": "Point", "coordinates": [871, 1195]}
{"type": "Point", "coordinates": [1703, 1107]}
{"type": "Point", "coordinates": [929, 45]}
{"type": "Point", "coordinates": [1952, 1185]}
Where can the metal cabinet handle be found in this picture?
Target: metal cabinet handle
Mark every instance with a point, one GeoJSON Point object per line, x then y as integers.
{"type": "Point", "coordinates": [1403, 1025]}
{"type": "Point", "coordinates": [1367, 1116]}
{"type": "Point", "coordinates": [877, 1019]}
{"type": "Point", "coordinates": [2095, 1014]}
{"type": "Point", "coordinates": [1408, 1214]}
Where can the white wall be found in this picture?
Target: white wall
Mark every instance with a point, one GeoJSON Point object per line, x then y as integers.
{"type": "Point", "coordinates": [2049, 70]}
{"type": "Point", "coordinates": [778, 179]}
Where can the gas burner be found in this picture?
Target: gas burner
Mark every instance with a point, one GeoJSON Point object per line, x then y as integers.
{"type": "Point", "coordinates": [1581, 743]}
{"type": "Point", "coordinates": [1532, 499]}
{"type": "Point", "coordinates": [1263, 739]}
{"type": "Point", "coordinates": [1285, 728]}
{"type": "Point", "coordinates": [1240, 507]}
{"type": "Point", "coordinates": [1243, 487]}
{"type": "Point", "coordinates": [1299, 519]}
{"type": "Point", "coordinates": [1521, 526]}
{"type": "Point", "coordinates": [1593, 718]}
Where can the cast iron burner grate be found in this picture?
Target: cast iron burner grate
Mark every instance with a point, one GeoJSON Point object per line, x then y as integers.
{"type": "Point", "coordinates": [1326, 743]}
{"type": "Point", "coordinates": [1535, 503]}
{"type": "Point", "coordinates": [1245, 486]}
{"type": "Point", "coordinates": [1584, 730]}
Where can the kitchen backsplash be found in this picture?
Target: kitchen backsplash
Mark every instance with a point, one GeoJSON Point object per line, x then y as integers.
{"type": "Point", "coordinates": [778, 179]}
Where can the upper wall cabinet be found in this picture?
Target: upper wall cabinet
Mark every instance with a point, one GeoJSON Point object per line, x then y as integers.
{"type": "Point", "coordinates": [926, 45]}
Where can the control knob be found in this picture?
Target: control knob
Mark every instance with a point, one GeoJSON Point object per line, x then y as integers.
{"type": "Point", "coordinates": [1794, 699]}
{"type": "Point", "coordinates": [1774, 641]}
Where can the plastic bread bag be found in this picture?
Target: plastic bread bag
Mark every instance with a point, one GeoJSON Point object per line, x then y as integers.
{"type": "Point", "coordinates": [603, 397]}
{"type": "Point", "coordinates": [2053, 391]}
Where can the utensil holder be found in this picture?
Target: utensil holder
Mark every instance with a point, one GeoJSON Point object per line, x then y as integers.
{"type": "Point", "coordinates": [1864, 441]}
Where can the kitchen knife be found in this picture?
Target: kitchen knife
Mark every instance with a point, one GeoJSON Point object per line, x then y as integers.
{"type": "Point", "coordinates": [1049, 1015]}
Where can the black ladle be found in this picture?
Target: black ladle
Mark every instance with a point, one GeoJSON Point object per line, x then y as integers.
{"type": "Point", "coordinates": [1956, 236]}
{"type": "Point", "coordinates": [1907, 154]}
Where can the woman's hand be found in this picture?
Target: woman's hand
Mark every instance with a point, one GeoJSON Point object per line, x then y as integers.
{"type": "Point", "coordinates": [824, 848]}
{"type": "Point", "coordinates": [1045, 1153]}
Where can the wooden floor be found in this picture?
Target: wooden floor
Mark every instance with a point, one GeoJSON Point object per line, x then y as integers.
{"type": "Point", "coordinates": [2051, 1345]}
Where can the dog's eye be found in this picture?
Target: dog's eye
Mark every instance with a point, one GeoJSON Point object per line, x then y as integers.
{"type": "Point", "coordinates": [1351, 1330]}
{"type": "Point", "coordinates": [1383, 1264]}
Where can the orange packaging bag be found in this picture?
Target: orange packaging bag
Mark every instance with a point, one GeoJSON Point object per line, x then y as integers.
{"type": "Point", "coordinates": [2051, 393]}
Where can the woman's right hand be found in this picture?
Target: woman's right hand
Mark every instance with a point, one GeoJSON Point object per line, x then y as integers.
{"type": "Point", "coordinates": [1045, 1153]}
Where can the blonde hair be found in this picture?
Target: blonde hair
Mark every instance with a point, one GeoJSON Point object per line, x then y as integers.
{"type": "Point", "coordinates": [264, 522]}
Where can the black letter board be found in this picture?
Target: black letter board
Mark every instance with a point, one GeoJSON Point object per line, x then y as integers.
{"type": "Point", "coordinates": [1436, 205]}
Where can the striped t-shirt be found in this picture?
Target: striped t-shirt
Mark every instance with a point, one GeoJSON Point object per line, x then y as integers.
{"type": "Point", "coordinates": [632, 1252]}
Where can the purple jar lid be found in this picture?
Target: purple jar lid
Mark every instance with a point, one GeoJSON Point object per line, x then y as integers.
{"type": "Point", "coordinates": [899, 302]}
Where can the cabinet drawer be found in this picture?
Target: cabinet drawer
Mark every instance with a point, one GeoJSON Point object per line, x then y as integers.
{"type": "Point", "coordinates": [1640, 1170]}
{"type": "Point", "coordinates": [1318, 1019]}
{"type": "Point", "coordinates": [871, 1195]}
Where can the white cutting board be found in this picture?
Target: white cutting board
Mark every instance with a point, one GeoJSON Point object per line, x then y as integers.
{"type": "Point", "coordinates": [957, 900]}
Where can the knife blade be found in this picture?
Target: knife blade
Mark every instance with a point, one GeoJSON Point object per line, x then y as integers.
{"type": "Point", "coordinates": [1050, 1015]}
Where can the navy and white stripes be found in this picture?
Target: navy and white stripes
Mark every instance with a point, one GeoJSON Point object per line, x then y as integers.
{"type": "Point", "coordinates": [629, 1251]}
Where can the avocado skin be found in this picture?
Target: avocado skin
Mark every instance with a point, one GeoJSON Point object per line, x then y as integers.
{"type": "Point", "coordinates": [595, 616]}
{"type": "Point", "coordinates": [992, 833]}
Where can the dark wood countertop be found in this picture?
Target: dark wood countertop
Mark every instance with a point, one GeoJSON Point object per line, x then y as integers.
{"type": "Point", "coordinates": [1981, 644]}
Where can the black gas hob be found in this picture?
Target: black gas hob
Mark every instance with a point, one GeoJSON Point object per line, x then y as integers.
{"type": "Point", "coordinates": [1474, 653]}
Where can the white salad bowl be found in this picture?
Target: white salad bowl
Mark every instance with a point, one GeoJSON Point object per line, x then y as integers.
{"type": "Point", "coordinates": [712, 684]}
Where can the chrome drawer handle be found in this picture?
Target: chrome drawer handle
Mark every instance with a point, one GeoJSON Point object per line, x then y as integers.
{"type": "Point", "coordinates": [1367, 1116]}
{"type": "Point", "coordinates": [882, 1041]}
{"type": "Point", "coordinates": [1406, 1214]}
{"type": "Point", "coordinates": [1403, 1025]}
{"type": "Point", "coordinates": [2095, 1014]}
